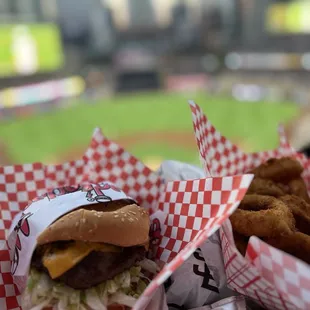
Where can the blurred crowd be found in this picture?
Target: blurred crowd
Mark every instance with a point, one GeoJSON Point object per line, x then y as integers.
{"type": "Point", "coordinates": [251, 50]}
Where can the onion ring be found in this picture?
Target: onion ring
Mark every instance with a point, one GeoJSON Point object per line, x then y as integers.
{"type": "Point", "coordinates": [296, 244]}
{"type": "Point", "coordinates": [300, 210]}
{"type": "Point", "coordinates": [266, 187]}
{"type": "Point", "coordinates": [298, 188]}
{"type": "Point", "coordinates": [262, 216]}
{"type": "Point", "coordinates": [280, 170]}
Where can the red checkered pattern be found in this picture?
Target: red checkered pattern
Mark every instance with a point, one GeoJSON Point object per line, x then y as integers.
{"type": "Point", "coordinates": [104, 160]}
{"type": "Point", "coordinates": [196, 209]}
{"type": "Point", "coordinates": [221, 157]}
{"type": "Point", "coordinates": [273, 278]}
{"type": "Point", "coordinates": [18, 185]}
{"type": "Point", "coordinates": [9, 294]}
{"type": "Point", "coordinates": [290, 274]}
{"type": "Point", "coordinates": [247, 279]}
{"type": "Point", "coordinates": [109, 161]}
{"type": "Point", "coordinates": [195, 205]}
{"type": "Point", "coordinates": [63, 174]}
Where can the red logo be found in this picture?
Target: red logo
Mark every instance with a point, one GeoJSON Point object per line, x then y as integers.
{"type": "Point", "coordinates": [95, 192]}
{"type": "Point", "coordinates": [21, 227]}
{"type": "Point", "coordinates": [58, 192]}
{"type": "Point", "coordinates": [155, 232]}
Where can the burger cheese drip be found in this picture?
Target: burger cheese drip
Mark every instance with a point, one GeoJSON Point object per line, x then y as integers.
{"type": "Point", "coordinates": [59, 260]}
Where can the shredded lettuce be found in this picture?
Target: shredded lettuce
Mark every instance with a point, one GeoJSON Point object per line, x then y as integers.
{"type": "Point", "coordinates": [125, 289]}
{"type": "Point", "coordinates": [93, 300]}
{"type": "Point", "coordinates": [149, 265]}
{"type": "Point", "coordinates": [42, 305]}
{"type": "Point", "coordinates": [122, 299]}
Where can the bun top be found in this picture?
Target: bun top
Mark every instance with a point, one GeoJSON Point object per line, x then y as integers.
{"type": "Point", "coordinates": [119, 223]}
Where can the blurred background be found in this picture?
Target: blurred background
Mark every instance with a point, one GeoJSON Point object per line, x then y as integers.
{"type": "Point", "coordinates": [129, 67]}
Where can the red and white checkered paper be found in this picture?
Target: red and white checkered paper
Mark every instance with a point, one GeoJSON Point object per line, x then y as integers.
{"type": "Point", "coordinates": [106, 160]}
{"type": "Point", "coordinates": [273, 278]}
{"type": "Point", "coordinates": [195, 209]}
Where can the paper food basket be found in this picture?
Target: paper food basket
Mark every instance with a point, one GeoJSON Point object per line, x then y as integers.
{"type": "Point", "coordinates": [193, 209]}
{"type": "Point", "coordinates": [273, 278]}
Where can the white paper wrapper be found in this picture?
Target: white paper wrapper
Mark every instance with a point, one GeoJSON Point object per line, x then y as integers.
{"type": "Point", "coordinates": [172, 170]}
{"type": "Point", "coordinates": [231, 303]}
{"type": "Point", "coordinates": [201, 280]}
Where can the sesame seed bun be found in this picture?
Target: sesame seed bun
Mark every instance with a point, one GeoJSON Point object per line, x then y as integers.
{"type": "Point", "coordinates": [118, 223]}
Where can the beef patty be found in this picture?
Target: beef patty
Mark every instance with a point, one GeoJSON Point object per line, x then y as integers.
{"type": "Point", "coordinates": [95, 268]}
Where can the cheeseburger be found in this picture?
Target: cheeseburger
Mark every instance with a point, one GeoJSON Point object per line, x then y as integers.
{"type": "Point", "coordinates": [91, 258]}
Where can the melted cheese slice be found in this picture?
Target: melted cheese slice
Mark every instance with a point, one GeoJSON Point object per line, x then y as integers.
{"type": "Point", "coordinates": [58, 261]}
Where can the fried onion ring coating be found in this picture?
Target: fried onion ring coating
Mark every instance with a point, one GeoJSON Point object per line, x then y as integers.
{"type": "Point", "coordinates": [280, 170]}
{"type": "Point", "coordinates": [300, 210]}
{"type": "Point", "coordinates": [266, 187]}
{"type": "Point", "coordinates": [262, 216]}
{"type": "Point", "coordinates": [298, 188]}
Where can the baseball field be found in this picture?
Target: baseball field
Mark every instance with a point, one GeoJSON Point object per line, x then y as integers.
{"type": "Point", "coordinates": [153, 126]}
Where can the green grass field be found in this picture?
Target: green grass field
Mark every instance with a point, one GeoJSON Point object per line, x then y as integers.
{"type": "Point", "coordinates": [41, 137]}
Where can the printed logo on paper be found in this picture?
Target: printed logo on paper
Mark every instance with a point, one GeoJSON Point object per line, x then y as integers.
{"type": "Point", "coordinates": [56, 192]}
{"type": "Point", "coordinates": [95, 192]}
{"type": "Point", "coordinates": [155, 232]}
{"type": "Point", "coordinates": [24, 228]}
{"type": "Point", "coordinates": [205, 273]}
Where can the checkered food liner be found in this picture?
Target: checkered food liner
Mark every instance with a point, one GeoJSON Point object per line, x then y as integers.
{"type": "Point", "coordinates": [201, 279]}
{"type": "Point", "coordinates": [273, 278]}
{"type": "Point", "coordinates": [184, 213]}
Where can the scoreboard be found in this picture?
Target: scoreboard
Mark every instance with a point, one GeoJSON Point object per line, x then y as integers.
{"type": "Point", "coordinates": [288, 18]}
{"type": "Point", "coordinates": [28, 49]}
